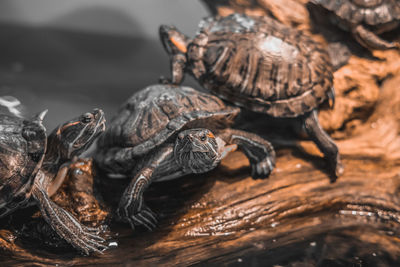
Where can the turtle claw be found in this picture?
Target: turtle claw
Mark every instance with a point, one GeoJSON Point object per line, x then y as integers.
{"type": "Point", "coordinates": [145, 217]}
{"type": "Point", "coordinates": [93, 230]}
{"type": "Point", "coordinates": [337, 168]}
{"type": "Point", "coordinates": [137, 213]}
{"type": "Point", "coordinates": [146, 222]}
{"type": "Point", "coordinates": [94, 234]}
{"type": "Point", "coordinates": [88, 246]}
{"type": "Point", "coordinates": [85, 239]}
{"type": "Point", "coordinates": [262, 169]}
{"type": "Point", "coordinates": [151, 216]}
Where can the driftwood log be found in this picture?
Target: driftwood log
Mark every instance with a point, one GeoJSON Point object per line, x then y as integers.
{"type": "Point", "coordinates": [297, 217]}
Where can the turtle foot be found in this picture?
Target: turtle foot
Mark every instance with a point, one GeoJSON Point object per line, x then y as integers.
{"type": "Point", "coordinates": [89, 241]}
{"type": "Point", "coordinates": [83, 238]}
{"type": "Point", "coordinates": [262, 169]}
{"type": "Point", "coordinates": [137, 214]}
{"type": "Point", "coordinates": [337, 169]}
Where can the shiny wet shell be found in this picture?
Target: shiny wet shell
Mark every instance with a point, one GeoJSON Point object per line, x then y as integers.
{"type": "Point", "coordinates": [260, 64]}
{"type": "Point", "coordinates": [369, 12]}
{"type": "Point", "coordinates": [22, 147]}
{"type": "Point", "coordinates": [154, 114]}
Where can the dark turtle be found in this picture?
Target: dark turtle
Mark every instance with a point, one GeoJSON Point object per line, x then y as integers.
{"type": "Point", "coordinates": [365, 19]}
{"type": "Point", "coordinates": [33, 166]}
{"type": "Point", "coordinates": [259, 64]}
{"type": "Point", "coordinates": [164, 132]}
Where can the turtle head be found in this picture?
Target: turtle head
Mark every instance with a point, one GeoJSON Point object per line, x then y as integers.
{"type": "Point", "coordinates": [173, 40]}
{"type": "Point", "coordinates": [196, 150]}
{"type": "Point", "coordinates": [75, 136]}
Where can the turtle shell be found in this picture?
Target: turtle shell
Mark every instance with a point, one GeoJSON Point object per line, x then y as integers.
{"type": "Point", "coordinates": [260, 64]}
{"type": "Point", "coordinates": [370, 12]}
{"type": "Point", "coordinates": [154, 114]}
{"type": "Point", "coordinates": [22, 149]}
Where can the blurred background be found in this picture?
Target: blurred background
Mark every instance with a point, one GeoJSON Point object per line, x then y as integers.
{"type": "Point", "coordinates": [72, 56]}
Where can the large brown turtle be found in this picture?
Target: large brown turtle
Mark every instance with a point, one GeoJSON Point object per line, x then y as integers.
{"type": "Point", "coordinates": [33, 166]}
{"type": "Point", "coordinates": [164, 132]}
{"type": "Point", "coordinates": [259, 64]}
{"type": "Point", "coordinates": [365, 19]}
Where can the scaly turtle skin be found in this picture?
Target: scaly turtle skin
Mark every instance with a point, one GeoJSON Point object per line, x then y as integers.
{"type": "Point", "coordinates": [33, 166]}
{"type": "Point", "coordinates": [365, 18]}
{"type": "Point", "coordinates": [164, 132]}
{"type": "Point", "coordinates": [259, 64]}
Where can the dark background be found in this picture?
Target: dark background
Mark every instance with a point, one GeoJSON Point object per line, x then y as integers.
{"type": "Point", "coordinates": [72, 56]}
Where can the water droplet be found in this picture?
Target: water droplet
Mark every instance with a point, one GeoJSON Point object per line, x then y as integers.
{"type": "Point", "coordinates": [274, 224]}
{"type": "Point", "coordinates": [240, 260]}
{"type": "Point", "coordinates": [313, 244]}
{"type": "Point", "coordinates": [298, 165]}
{"type": "Point", "coordinates": [374, 254]}
{"type": "Point", "coordinates": [113, 244]}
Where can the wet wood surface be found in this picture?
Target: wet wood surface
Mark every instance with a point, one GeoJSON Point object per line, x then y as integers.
{"type": "Point", "coordinates": [297, 217]}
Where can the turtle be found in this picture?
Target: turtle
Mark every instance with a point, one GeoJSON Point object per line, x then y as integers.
{"type": "Point", "coordinates": [33, 166]}
{"type": "Point", "coordinates": [261, 65]}
{"type": "Point", "coordinates": [365, 19]}
{"type": "Point", "coordinates": [164, 132]}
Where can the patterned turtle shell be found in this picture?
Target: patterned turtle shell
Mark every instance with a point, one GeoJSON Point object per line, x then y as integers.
{"type": "Point", "coordinates": [154, 114]}
{"type": "Point", "coordinates": [369, 12]}
{"type": "Point", "coordinates": [260, 64]}
{"type": "Point", "coordinates": [22, 149]}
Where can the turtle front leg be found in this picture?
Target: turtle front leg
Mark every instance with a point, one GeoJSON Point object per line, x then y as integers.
{"type": "Point", "coordinates": [132, 208]}
{"type": "Point", "coordinates": [259, 151]}
{"type": "Point", "coordinates": [324, 142]}
{"type": "Point", "coordinates": [58, 180]}
{"type": "Point", "coordinates": [370, 40]}
{"type": "Point", "coordinates": [178, 65]}
{"type": "Point", "coordinates": [63, 223]}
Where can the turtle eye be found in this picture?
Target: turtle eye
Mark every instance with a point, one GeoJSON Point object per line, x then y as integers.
{"type": "Point", "coordinates": [87, 117]}
{"type": "Point", "coordinates": [203, 137]}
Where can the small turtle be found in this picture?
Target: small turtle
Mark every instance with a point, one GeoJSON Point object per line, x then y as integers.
{"type": "Point", "coordinates": [259, 64]}
{"type": "Point", "coordinates": [164, 132]}
{"type": "Point", "coordinates": [34, 165]}
{"type": "Point", "coordinates": [365, 19]}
